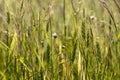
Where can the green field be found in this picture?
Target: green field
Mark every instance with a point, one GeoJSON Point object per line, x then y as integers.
{"type": "Point", "coordinates": [59, 39]}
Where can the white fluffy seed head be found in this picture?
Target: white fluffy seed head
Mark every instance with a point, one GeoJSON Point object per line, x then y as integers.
{"type": "Point", "coordinates": [54, 35]}
{"type": "Point", "coordinates": [92, 17]}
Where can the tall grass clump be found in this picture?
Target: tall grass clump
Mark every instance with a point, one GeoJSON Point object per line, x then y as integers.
{"type": "Point", "coordinates": [59, 40]}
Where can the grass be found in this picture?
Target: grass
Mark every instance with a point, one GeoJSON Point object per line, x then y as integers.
{"type": "Point", "coordinates": [59, 40]}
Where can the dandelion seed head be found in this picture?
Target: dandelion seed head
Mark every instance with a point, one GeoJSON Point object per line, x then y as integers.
{"type": "Point", "coordinates": [54, 35]}
{"type": "Point", "coordinates": [92, 17]}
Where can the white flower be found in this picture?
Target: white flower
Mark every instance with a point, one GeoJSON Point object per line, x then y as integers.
{"type": "Point", "coordinates": [54, 35]}
{"type": "Point", "coordinates": [92, 17]}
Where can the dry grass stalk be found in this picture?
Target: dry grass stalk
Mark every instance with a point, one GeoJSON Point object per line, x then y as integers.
{"type": "Point", "coordinates": [104, 4]}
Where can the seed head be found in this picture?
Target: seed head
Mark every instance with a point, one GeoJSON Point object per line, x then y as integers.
{"type": "Point", "coordinates": [54, 35]}
{"type": "Point", "coordinates": [92, 17]}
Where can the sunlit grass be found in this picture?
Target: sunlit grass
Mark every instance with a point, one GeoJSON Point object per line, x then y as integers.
{"type": "Point", "coordinates": [59, 40]}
